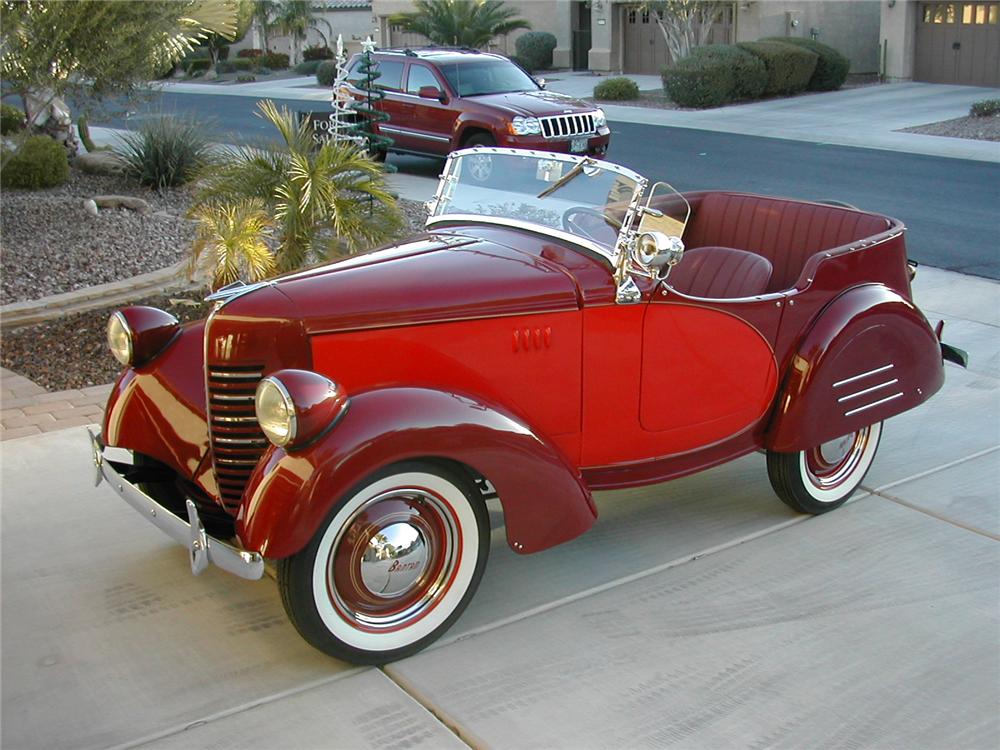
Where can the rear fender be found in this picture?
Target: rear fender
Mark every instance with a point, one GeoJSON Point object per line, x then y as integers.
{"type": "Point", "coordinates": [869, 355]}
{"type": "Point", "coordinates": [290, 494]}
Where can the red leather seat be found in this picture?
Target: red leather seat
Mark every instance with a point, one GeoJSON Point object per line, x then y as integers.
{"type": "Point", "coordinates": [787, 233]}
{"type": "Point", "coordinates": [720, 273]}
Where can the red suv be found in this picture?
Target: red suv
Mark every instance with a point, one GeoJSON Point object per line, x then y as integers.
{"type": "Point", "coordinates": [439, 100]}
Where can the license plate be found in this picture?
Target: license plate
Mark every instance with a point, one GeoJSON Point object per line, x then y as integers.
{"type": "Point", "coordinates": [578, 144]}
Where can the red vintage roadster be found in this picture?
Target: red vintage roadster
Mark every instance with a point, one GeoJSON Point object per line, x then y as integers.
{"type": "Point", "coordinates": [563, 326]}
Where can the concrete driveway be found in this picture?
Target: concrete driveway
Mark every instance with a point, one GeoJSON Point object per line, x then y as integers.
{"type": "Point", "coordinates": [698, 613]}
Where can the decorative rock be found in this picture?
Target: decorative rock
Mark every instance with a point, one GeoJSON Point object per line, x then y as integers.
{"type": "Point", "coordinates": [90, 207]}
{"type": "Point", "coordinates": [100, 162]}
{"type": "Point", "coordinates": [123, 201]}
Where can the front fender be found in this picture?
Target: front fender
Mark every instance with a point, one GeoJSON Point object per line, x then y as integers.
{"type": "Point", "coordinates": [289, 494]}
{"type": "Point", "coordinates": [870, 355]}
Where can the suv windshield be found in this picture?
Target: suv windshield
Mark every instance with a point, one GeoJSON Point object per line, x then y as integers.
{"type": "Point", "coordinates": [585, 198]}
{"type": "Point", "coordinates": [486, 77]}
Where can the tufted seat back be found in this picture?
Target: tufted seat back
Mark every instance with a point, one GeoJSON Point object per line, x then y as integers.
{"type": "Point", "coordinates": [787, 233]}
{"type": "Point", "coordinates": [720, 273]}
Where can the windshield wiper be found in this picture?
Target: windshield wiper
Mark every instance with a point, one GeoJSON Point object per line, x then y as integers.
{"type": "Point", "coordinates": [571, 174]}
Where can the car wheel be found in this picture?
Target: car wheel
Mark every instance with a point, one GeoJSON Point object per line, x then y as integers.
{"type": "Point", "coordinates": [480, 166]}
{"type": "Point", "coordinates": [393, 566]}
{"type": "Point", "coordinates": [824, 477]}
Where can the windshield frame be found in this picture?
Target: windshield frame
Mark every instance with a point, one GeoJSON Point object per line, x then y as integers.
{"type": "Point", "coordinates": [612, 255]}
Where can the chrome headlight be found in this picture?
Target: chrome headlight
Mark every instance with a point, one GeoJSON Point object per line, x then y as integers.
{"type": "Point", "coordinates": [275, 411]}
{"type": "Point", "coordinates": [526, 126]}
{"type": "Point", "coordinates": [600, 119]}
{"type": "Point", "coordinates": [120, 338]}
{"type": "Point", "coordinates": [295, 407]}
{"type": "Point", "coordinates": [137, 335]}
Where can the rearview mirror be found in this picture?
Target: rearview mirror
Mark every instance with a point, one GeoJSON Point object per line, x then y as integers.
{"type": "Point", "coordinates": [431, 92]}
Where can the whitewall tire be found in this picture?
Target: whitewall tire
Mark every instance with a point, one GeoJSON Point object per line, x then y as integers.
{"type": "Point", "coordinates": [824, 477]}
{"type": "Point", "coordinates": [392, 567]}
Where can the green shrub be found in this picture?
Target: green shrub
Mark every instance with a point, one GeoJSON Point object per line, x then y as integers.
{"type": "Point", "coordinates": [246, 78]}
{"type": "Point", "coordinates": [317, 53]}
{"type": "Point", "coordinates": [616, 89]}
{"type": "Point", "coordinates": [238, 65]}
{"type": "Point", "coordinates": [39, 163]}
{"type": "Point", "coordinates": [534, 49]}
{"type": "Point", "coordinates": [326, 73]}
{"type": "Point", "coordinates": [831, 67]}
{"type": "Point", "coordinates": [250, 52]}
{"type": "Point", "coordinates": [11, 119]}
{"type": "Point", "coordinates": [714, 75]}
{"type": "Point", "coordinates": [308, 67]}
{"type": "Point", "coordinates": [165, 151]}
{"type": "Point", "coordinates": [197, 66]}
{"type": "Point", "coordinates": [985, 108]}
{"type": "Point", "coordinates": [789, 68]}
{"type": "Point", "coordinates": [273, 60]}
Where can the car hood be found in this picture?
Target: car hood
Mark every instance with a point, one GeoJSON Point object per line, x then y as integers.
{"type": "Point", "coordinates": [437, 277]}
{"type": "Point", "coordinates": [535, 103]}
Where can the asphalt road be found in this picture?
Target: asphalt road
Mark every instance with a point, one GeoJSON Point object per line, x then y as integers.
{"type": "Point", "coordinates": [949, 205]}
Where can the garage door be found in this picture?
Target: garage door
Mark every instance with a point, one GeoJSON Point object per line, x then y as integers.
{"type": "Point", "coordinates": [645, 51]}
{"type": "Point", "coordinates": [400, 38]}
{"type": "Point", "coordinates": [958, 43]}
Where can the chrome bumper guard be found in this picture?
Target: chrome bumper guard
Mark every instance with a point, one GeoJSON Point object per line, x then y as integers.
{"type": "Point", "coordinates": [202, 548]}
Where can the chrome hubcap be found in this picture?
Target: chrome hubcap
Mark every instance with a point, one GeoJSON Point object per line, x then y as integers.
{"type": "Point", "coordinates": [831, 464]}
{"type": "Point", "coordinates": [835, 451]}
{"type": "Point", "coordinates": [395, 559]}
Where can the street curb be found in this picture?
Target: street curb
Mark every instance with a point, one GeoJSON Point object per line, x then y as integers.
{"type": "Point", "coordinates": [20, 314]}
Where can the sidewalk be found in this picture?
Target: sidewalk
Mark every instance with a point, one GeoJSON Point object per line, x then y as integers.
{"type": "Point", "coordinates": [866, 117]}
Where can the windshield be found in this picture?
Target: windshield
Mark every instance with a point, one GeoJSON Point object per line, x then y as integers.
{"type": "Point", "coordinates": [563, 195]}
{"type": "Point", "coordinates": [487, 77]}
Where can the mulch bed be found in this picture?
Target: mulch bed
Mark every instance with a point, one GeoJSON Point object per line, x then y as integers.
{"type": "Point", "coordinates": [973, 128]}
{"type": "Point", "coordinates": [72, 352]}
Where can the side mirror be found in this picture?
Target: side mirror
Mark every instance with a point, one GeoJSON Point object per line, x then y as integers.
{"type": "Point", "coordinates": [541, 83]}
{"type": "Point", "coordinates": [656, 250]}
{"type": "Point", "coordinates": [431, 92]}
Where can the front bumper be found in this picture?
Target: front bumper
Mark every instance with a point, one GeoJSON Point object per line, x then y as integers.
{"type": "Point", "coordinates": [202, 548]}
{"type": "Point", "coordinates": [597, 143]}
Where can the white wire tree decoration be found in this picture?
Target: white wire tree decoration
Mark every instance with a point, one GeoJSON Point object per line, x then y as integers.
{"type": "Point", "coordinates": [344, 118]}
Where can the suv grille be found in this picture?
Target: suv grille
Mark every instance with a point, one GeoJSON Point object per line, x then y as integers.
{"type": "Point", "coordinates": [565, 126]}
{"type": "Point", "coordinates": [237, 440]}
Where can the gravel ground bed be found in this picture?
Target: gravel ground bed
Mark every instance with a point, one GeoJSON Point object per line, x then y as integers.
{"type": "Point", "coordinates": [50, 244]}
{"type": "Point", "coordinates": [973, 128]}
{"type": "Point", "coordinates": [72, 352]}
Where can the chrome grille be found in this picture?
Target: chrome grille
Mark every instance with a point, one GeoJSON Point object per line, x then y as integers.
{"type": "Point", "coordinates": [237, 441]}
{"type": "Point", "coordinates": [567, 126]}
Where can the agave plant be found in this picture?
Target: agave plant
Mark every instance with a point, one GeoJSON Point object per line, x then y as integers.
{"type": "Point", "coordinates": [231, 239]}
{"type": "Point", "coordinates": [462, 23]}
{"type": "Point", "coordinates": [326, 200]}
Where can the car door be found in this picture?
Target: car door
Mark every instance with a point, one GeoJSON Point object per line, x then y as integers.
{"type": "Point", "coordinates": [390, 81]}
{"type": "Point", "coordinates": [430, 121]}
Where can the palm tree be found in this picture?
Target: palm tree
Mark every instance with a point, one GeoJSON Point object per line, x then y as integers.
{"type": "Point", "coordinates": [324, 201]}
{"type": "Point", "coordinates": [295, 18]}
{"type": "Point", "coordinates": [234, 237]}
{"type": "Point", "coordinates": [460, 23]}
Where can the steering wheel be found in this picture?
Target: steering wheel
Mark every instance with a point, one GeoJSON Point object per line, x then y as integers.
{"type": "Point", "coordinates": [592, 224]}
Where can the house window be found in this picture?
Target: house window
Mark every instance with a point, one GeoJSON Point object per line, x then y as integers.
{"type": "Point", "coordinates": [939, 13]}
{"type": "Point", "coordinates": [979, 14]}
{"type": "Point", "coordinates": [645, 16]}
{"type": "Point", "coordinates": [631, 15]}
